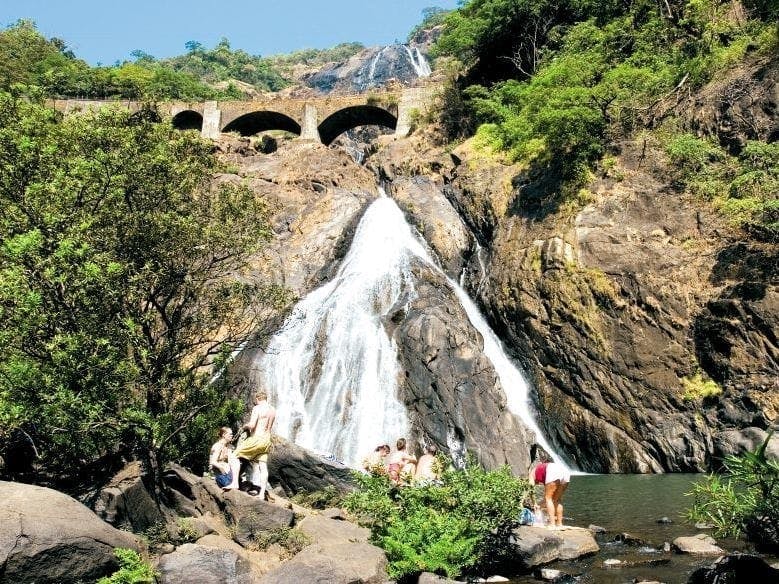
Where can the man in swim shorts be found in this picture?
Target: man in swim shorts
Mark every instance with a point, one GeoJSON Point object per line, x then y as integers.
{"type": "Point", "coordinates": [256, 447]}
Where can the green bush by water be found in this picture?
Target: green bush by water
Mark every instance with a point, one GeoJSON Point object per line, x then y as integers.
{"type": "Point", "coordinates": [447, 528]}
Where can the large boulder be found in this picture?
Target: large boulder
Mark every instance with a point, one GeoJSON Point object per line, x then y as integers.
{"type": "Point", "coordinates": [340, 563]}
{"type": "Point", "coordinates": [48, 537]}
{"type": "Point", "coordinates": [252, 517]}
{"type": "Point", "coordinates": [326, 531]}
{"type": "Point", "coordinates": [297, 470]}
{"type": "Point", "coordinates": [534, 546]}
{"type": "Point", "coordinates": [204, 565]}
{"type": "Point", "coordinates": [126, 501]}
{"type": "Point", "coordinates": [735, 568]}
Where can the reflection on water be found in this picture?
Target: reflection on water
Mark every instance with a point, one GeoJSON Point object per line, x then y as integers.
{"type": "Point", "coordinates": [633, 504]}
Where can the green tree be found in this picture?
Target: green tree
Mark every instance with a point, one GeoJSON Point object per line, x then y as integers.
{"type": "Point", "coordinates": [121, 285]}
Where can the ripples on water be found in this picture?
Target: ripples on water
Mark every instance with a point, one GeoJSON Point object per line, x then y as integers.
{"type": "Point", "coordinates": [633, 504]}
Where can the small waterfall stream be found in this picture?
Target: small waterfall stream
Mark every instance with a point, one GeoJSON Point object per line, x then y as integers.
{"type": "Point", "coordinates": [332, 369]}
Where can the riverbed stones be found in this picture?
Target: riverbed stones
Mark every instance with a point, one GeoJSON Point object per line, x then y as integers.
{"type": "Point", "coordinates": [700, 544]}
{"type": "Point", "coordinates": [534, 546]}
{"type": "Point", "coordinates": [48, 537]}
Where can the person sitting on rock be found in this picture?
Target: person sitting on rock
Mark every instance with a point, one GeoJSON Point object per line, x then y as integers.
{"type": "Point", "coordinates": [429, 467]}
{"type": "Point", "coordinates": [400, 464]}
{"type": "Point", "coordinates": [220, 456]}
{"type": "Point", "coordinates": [555, 478]}
{"type": "Point", "coordinates": [376, 461]}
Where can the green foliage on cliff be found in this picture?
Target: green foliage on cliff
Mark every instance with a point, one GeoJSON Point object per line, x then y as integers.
{"type": "Point", "coordinates": [120, 282]}
{"type": "Point", "coordinates": [448, 528]}
{"type": "Point", "coordinates": [314, 57]}
{"type": "Point", "coordinates": [549, 82]}
{"type": "Point", "coordinates": [742, 501]}
{"type": "Point", "coordinates": [743, 188]}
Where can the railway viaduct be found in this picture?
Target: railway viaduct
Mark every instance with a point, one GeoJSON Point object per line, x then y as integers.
{"type": "Point", "coordinates": [320, 118]}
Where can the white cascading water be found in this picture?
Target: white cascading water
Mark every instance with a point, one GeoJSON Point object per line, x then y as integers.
{"type": "Point", "coordinates": [372, 69]}
{"type": "Point", "coordinates": [418, 61]}
{"type": "Point", "coordinates": [332, 369]}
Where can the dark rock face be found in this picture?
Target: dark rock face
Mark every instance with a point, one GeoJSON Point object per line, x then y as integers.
{"type": "Point", "coordinates": [370, 68]}
{"type": "Point", "coordinates": [739, 107]}
{"type": "Point", "coordinates": [734, 569]}
{"type": "Point", "coordinates": [125, 500]}
{"type": "Point", "coordinates": [450, 388]}
{"type": "Point", "coordinates": [297, 470]}
{"type": "Point", "coordinates": [48, 537]}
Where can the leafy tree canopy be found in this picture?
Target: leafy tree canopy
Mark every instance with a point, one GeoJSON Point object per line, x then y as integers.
{"type": "Point", "coordinates": [120, 285]}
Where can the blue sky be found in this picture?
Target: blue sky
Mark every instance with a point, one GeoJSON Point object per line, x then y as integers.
{"type": "Point", "coordinates": [106, 31]}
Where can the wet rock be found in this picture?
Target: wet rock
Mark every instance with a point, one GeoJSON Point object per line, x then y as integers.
{"type": "Point", "coordinates": [204, 565]}
{"type": "Point", "coordinates": [451, 389]}
{"type": "Point", "coordinates": [555, 576]}
{"type": "Point", "coordinates": [704, 526]}
{"type": "Point", "coordinates": [47, 537]}
{"type": "Point", "coordinates": [342, 563]}
{"type": "Point", "coordinates": [534, 546]}
{"type": "Point", "coordinates": [664, 521]}
{"type": "Point", "coordinates": [373, 67]}
{"type": "Point", "coordinates": [735, 568]}
{"type": "Point", "coordinates": [697, 544]}
{"type": "Point", "coordinates": [596, 529]}
{"type": "Point", "coordinates": [628, 539]}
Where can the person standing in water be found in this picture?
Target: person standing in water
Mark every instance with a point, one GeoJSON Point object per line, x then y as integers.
{"type": "Point", "coordinates": [555, 478]}
{"type": "Point", "coordinates": [256, 447]}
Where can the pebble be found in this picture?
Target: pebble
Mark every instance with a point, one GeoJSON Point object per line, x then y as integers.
{"type": "Point", "coordinates": [664, 520]}
{"type": "Point", "coordinates": [596, 528]}
{"type": "Point", "coordinates": [612, 563]}
{"type": "Point", "coordinates": [704, 526]}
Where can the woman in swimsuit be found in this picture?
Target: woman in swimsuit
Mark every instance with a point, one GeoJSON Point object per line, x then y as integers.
{"type": "Point", "coordinates": [400, 462]}
{"type": "Point", "coordinates": [555, 478]}
{"type": "Point", "coordinates": [220, 456]}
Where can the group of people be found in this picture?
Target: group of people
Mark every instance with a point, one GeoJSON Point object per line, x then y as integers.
{"type": "Point", "coordinates": [225, 461]}
{"type": "Point", "coordinates": [404, 468]}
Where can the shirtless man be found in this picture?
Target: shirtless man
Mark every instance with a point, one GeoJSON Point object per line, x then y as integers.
{"type": "Point", "coordinates": [428, 470]}
{"type": "Point", "coordinates": [256, 447]}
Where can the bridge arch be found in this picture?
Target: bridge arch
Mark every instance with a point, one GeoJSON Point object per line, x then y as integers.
{"type": "Point", "coordinates": [188, 120]}
{"type": "Point", "coordinates": [261, 121]}
{"type": "Point", "coordinates": [352, 117]}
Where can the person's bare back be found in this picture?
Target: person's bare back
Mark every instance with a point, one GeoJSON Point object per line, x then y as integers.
{"type": "Point", "coordinates": [262, 418]}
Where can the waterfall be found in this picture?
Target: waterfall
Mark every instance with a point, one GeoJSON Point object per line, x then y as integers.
{"type": "Point", "coordinates": [372, 69]}
{"type": "Point", "coordinates": [418, 61]}
{"type": "Point", "coordinates": [332, 369]}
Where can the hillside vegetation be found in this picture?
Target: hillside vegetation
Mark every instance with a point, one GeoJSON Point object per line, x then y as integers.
{"type": "Point", "coordinates": [544, 82]}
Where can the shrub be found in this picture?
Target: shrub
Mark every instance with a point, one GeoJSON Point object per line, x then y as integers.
{"type": "Point", "coordinates": [445, 528]}
{"type": "Point", "coordinates": [743, 501]}
{"type": "Point", "coordinates": [132, 569]}
{"type": "Point", "coordinates": [692, 154]}
{"type": "Point", "coordinates": [696, 387]}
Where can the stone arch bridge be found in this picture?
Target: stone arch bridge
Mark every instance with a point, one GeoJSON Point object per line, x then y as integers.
{"type": "Point", "coordinates": [321, 118]}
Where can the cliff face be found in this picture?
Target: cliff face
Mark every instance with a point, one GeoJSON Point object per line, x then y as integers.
{"type": "Point", "coordinates": [617, 302]}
